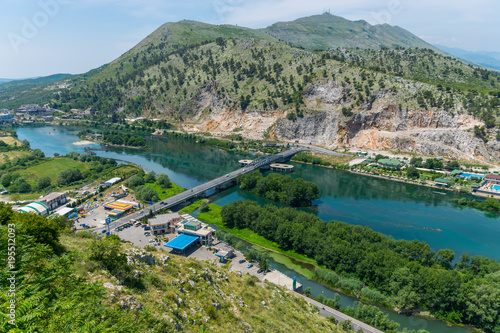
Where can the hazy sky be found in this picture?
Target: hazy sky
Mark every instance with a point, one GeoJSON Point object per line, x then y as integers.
{"type": "Point", "coordinates": [43, 37]}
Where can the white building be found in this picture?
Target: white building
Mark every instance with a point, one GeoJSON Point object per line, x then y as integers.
{"type": "Point", "coordinates": [194, 227]}
{"type": "Point", "coordinates": [37, 208]}
{"type": "Point", "coordinates": [6, 118]}
{"type": "Point", "coordinates": [111, 181]}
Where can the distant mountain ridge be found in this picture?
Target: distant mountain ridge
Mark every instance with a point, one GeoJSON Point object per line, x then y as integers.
{"type": "Point", "coordinates": [321, 32]}
{"type": "Point", "coordinates": [482, 58]}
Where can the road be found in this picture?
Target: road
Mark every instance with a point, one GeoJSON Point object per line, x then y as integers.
{"type": "Point", "coordinates": [200, 189]}
{"type": "Point", "coordinates": [327, 311]}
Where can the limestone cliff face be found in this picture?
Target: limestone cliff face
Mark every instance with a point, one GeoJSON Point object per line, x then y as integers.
{"type": "Point", "coordinates": [378, 124]}
{"type": "Point", "coordinates": [320, 127]}
{"type": "Point", "coordinates": [388, 128]}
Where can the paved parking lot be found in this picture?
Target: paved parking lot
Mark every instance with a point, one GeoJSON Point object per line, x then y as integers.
{"type": "Point", "coordinates": [203, 253]}
{"type": "Point", "coordinates": [136, 236]}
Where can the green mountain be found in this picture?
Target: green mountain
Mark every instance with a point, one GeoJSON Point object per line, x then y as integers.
{"type": "Point", "coordinates": [14, 93]}
{"type": "Point", "coordinates": [322, 32]}
{"type": "Point", "coordinates": [205, 77]}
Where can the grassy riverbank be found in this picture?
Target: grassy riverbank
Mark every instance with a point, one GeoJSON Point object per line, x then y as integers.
{"type": "Point", "coordinates": [291, 259]}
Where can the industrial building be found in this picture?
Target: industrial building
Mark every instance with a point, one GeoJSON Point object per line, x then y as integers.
{"type": "Point", "coordinates": [111, 181]}
{"type": "Point", "coordinates": [54, 200]}
{"type": "Point", "coordinates": [37, 208]}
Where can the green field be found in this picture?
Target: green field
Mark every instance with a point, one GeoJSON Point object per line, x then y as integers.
{"type": "Point", "coordinates": [12, 155]}
{"type": "Point", "coordinates": [11, 141]}
{"type": "Point", "coordinates": [164, 193]}
{"type": "Point", "coordinates": [285, 257]}
{"type": "Point", "coordinates": [52, 169]}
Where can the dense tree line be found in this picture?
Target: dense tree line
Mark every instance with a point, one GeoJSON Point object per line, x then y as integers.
{"type": "Point", "coordinates": [490, 204]}
{"type": "Point", "coordinates": [280, 188]}
{"type": "Point", "coordinates": [409, 273]}
{"type": "Point", "coordinates": [146, 193]}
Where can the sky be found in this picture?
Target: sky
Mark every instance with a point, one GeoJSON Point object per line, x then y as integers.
{"type": "Point", "coordinates": [44, 37]}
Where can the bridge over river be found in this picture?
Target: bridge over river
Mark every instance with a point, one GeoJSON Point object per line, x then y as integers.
{"type": "Point", "coordinates": [201, 190]}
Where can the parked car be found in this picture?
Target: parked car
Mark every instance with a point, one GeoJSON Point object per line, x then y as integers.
{"type": "Point", "coordinates": [151, 240]}
{"type": "Point", "coordinates": [249, 265]}
{"type": "Point", "coordinates": [147, 234]}
{"type": "Point", "coordinates": [242, 261]}
{"type": "Point", "coordinates": [147, 227]}
{"type": "Point", "coordinates": [103, 232]}
{"type": "Point", "coordinates": [259, 271]}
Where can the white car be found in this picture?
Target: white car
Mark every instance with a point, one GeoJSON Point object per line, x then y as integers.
{"type": "Point", "coordinates": [151, 240]}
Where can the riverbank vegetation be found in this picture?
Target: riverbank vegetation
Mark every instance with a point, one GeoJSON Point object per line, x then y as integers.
{"type": "Point", "coordinates": [279, 188]}
{"type": "Point", "coordinates": [489, 205]}
{"type": "Point", "coordinates": [115, 138]}
{"type": "Point", "coordinates": [407, 274]}
{"type": "Point", "coordinates": [337, 162]}
{"type": "Point", "coordinates": [266, 249]}
{"type": "Point", "coordinates": [70, 282]}
{"type": "Point", "coordinates": [152, 187]}
{"type": "Point", "coordinates": [231, 142]}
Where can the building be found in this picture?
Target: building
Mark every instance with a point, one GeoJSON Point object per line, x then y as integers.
{"type": "Point", "coordinates": [67, 212]}
{"type": "Point", "coordinates": [389, 163]}
{"type": "Point", "coordinates": [194, 227]}
{"type": "Point", "coordinates": [120, 205]}
{"type": "Point", "coordinates": [444, 182]}
{"type": "Point", "coordinates": [493, 179]}
{"type": "Point", "coordinates": [54, 200]}
{"type": "Point", "coordinates": [6, 118]}
{"type": "Point", "coordinates": [112, 181]}
{"type": "Point", "coordinates": [37, 208]}
{"type": "Point", "coordinates": [164, 224]}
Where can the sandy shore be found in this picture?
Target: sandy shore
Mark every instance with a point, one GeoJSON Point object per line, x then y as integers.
{"type": "Point", "coordinates": [83, 143]}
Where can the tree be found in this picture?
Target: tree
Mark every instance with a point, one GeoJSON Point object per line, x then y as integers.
{"type": "Point", "coordinates": [68, 176]}
{"type": "Point", "coordinates": [135, 181]}
{"type": "Point", "coordinates": [446, 256]}
{"type": "Point", "coordinates": [146, 193]}
{"type": "Point", "coordinates": [6, 179]}
{"type": "Point", "coordinates": [412, 172]}
{"type": "Point", "coordinates": [163, 180]}
{"type": "Point", "coordinates": [38, 153]}
{"type": "Point", "coordinates": [43, 230]}
{"type": "Point", "coordinates": [20, 185]}
{"type": "Point", "coordinates": [150, 177]}
{"type": "Point", "coordinates": [416, 161]}
{"type": "Point", "coordinates": [204, 207]}
{"type": "Point", "coordinates": [44, 182]}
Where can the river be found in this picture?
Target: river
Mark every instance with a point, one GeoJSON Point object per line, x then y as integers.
{"type": "Point", "coordinates": [401, 210]}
